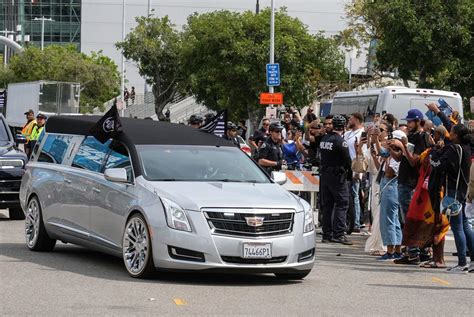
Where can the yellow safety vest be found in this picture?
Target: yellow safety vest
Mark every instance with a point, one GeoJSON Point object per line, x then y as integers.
{"type": "Point", "coordinates": [36, 133]}
{"type": "Point", "coordinates": [28, 129]}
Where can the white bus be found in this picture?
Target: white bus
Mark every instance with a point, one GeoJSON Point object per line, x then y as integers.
{"type": "Point", "coordinates": [392, 99]}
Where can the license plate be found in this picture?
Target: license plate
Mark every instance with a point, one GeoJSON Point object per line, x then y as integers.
{"type": "Point", "coordinates": [257, 251]}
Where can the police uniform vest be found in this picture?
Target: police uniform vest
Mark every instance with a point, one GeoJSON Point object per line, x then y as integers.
{"type": "Point", "coordinates": [270, 151]}
{"type": "Point", "coordinates": [334, 152]}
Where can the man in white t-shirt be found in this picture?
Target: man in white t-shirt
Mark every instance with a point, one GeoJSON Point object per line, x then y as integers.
{"type": "Point", "coordinates": [352, 136]}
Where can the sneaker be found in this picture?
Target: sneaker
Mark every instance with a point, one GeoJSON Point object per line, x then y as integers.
{"type": "Point", "coordinates": [325, 240]}
{"type": "Point", "coordinates": [425, 257]}
{"type": "Point", "coordinates": [458, 269]}
{"type": "Point", "coordinates": [471, 268]}
{"type": "Point", "coordinates": [397, 255]}
{"type": "Point", "coordinates": [342, 239]}
{"type": "Point", "coordinates": [407, 260]}
{"type": "Point", "coordinates": [386, 257]}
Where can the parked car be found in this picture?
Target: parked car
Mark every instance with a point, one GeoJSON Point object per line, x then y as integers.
{"type": "Point", "coordinates": [163, 196]}
{"type": "Point", "coordinates": [12, 167]}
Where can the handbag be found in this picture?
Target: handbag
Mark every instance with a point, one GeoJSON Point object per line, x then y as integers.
{"type": "Point", "coordinates": [450, 206]}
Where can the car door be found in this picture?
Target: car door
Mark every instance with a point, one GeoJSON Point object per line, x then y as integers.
{"type": "Point", "coordinates": [53, 152]}
{"type": "Point", "coordinates": [111, 201]}
{"type": "Point", "coordinates": [79, 184]}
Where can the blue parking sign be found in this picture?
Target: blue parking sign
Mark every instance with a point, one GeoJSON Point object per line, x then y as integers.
{"type": "Point", "coordinates": [273, 74]}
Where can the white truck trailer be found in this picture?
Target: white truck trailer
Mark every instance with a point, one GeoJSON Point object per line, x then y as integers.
{"type": "Point", "coordinates": [47, 97]}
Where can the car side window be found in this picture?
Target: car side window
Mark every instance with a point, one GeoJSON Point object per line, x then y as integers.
{"type": "Point", "coordinates": [54, 148]}
{"type": "Point", "coordinates": [91, 154]}
{"type": "Point", "coordinates": [119, 158]}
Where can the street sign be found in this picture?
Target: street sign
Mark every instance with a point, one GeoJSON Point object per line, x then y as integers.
{"type": "Point", "coordinates": [273, 74]}
{"type": "Point", "coordinates": [267, 98]}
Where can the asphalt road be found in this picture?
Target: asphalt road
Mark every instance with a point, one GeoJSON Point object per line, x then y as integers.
{"type": "Point", "coordinates": [75, 281]}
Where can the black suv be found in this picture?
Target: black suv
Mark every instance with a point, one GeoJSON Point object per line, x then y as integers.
{"type": "Point", "coordinates": [12, 167]}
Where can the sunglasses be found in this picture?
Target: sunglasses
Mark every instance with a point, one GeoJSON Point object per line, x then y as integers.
{"type": "Point", "coordinates": [382, 130]}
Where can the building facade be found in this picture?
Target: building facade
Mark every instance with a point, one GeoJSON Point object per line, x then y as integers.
{"type": "Point", "coordinates": [65, 27]}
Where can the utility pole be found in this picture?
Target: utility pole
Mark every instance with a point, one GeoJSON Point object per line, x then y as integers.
{"type": "Point", "coordinates": [42, 19]}
{"type": "Point", "coordinates": [122, 84]}
{"type": "Point", "coordinates": [272, 40]}
{"type": "Point", "coordinates": [257, 8]}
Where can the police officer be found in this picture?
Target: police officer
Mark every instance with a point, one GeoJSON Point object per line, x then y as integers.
{"type": "Point", "coordinates": [335, 173]}
{"type": "Point", "coordinates": [270, 155]}
{"type": "Point", "coordinates": [195, 121]}
{"type": "Point", "coordinates": [232, 133]}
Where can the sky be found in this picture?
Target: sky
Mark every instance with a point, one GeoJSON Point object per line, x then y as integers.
{"type": "Point", "coordinates": [102, 20]}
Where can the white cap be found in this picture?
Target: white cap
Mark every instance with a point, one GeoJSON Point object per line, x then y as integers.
{"type": "Point", "coordinates": [399, 134]}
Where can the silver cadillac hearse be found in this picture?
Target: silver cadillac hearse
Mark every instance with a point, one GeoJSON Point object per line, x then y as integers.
{"type": "Point", "coordinates": [163, 197]}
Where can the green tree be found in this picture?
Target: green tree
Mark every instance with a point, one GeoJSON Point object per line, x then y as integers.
{"type": "Point", "coordinates": [155, 46]}
{"type": "Point", "coordinates": [418, 38]}
{"type": "Point", "coordinates": [224, 56]}
{"type": "Point", "coordinates": [97, 74]}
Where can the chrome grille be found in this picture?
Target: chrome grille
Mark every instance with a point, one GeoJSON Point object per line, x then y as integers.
{"type": "Point", "coordinates": [235, 223]}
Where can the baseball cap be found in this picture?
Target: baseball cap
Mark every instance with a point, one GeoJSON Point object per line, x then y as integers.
{"type": "Point", "coordinates": [414, 114]}
{"type": "Point", "coordinates": [41, 116]}
{"type": "Point", "coordinates": [399, 134]}
{"type": "Point", "coordinates": [276, 126]}
{"type": "Point", "coordinates": [29, 111]}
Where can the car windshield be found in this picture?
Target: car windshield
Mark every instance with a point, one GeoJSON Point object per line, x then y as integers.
{"type": "Point", "coordinates": [198, 164]}
{"type": "Point", "coordinates": [3, 132]}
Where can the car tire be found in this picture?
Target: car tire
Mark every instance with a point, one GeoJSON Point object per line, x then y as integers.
{"type": "Point", "coordinates": [292, 276]}
{"type": "Point", "coordinates": [16, 213]}
{"type": "Point", "coordinates": [137, 251]}
{"type": "Point", "coordinates": [37, 238]}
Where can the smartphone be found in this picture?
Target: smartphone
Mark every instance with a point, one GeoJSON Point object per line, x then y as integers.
{"type": "Point", "coordinates": [390, 136]}
{"type": "Point", "coordinates": [363, 135]}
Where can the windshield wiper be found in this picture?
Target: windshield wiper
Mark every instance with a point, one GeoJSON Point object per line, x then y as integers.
{"type": "Point", "coordinates": [227, 180]}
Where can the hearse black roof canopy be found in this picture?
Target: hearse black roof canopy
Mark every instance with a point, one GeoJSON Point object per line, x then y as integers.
{"type": "Point", "coordinates": [138, 131]}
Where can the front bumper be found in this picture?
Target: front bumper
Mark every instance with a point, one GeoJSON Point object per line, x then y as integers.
{"type": "Point", "coordinates": [10, 182]}
{"type": "Point", "coordinates": [221, 252]}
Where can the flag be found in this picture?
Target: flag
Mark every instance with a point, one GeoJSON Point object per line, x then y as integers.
{"type": "Point", "coordinates": [217, 125]}
{"type": "Point", "coordinates": [108, 126]}
{"type": "Point", "coordinates": [2, 100]}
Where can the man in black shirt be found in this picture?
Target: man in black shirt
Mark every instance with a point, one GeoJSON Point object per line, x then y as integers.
{"type": "Point", "coordinates": [408, 174]}
{"type": "Point", "coordinates": [335, 173]}
{"type": "Point", "coordinates": [259, 136]}
{"type": "Point", "coordinates": [232, 134]}
{"type": "Point", "coordinates": [270, 155]}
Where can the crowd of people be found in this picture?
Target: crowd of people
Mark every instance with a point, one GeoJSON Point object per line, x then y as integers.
{"type": "Point", "coordinates": [402, 184]}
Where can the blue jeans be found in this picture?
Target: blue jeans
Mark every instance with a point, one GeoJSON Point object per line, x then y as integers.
{"type": "Point", "coordinates": [355, 194]}
{"type": "Point", "coordinates": [389, 206]}
{"type": "Point", "coordinates": [405, 194]}
{"type": "Point", "coordinates": [463, 236]}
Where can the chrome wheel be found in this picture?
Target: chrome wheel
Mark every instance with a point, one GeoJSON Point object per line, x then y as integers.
{"type": "Point", "coordinates": [136, 245]}
{"type": "Point", "coordinates": [32, 223]}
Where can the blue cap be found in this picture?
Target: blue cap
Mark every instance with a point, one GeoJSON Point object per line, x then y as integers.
{"type": "Point", "coordinates": [414, 114]}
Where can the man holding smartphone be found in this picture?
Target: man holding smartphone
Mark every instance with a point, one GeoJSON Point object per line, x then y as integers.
{"type": "Point", "coordinates": [408, 174]}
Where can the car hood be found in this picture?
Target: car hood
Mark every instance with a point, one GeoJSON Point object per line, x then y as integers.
{"type": "Point", "coordinates": [8, 150]}
{"type": "Point", "coordinates": [197, 195]}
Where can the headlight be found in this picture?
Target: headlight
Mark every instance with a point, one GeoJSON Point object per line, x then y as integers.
{"type": "Point", "coordinates": [175, 216]}
{"type": "Point", "coordinates": [11, 163]}
{"type": "Point", "coordinates": [308, 221]}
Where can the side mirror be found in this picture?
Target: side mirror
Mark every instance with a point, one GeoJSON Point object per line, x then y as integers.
{"type": "Point", "coordinates": [116, 175]}
{"type": "Point", "coordinates": [279, 178]}
{"type": "Point", "coordinates": [20, 138]}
